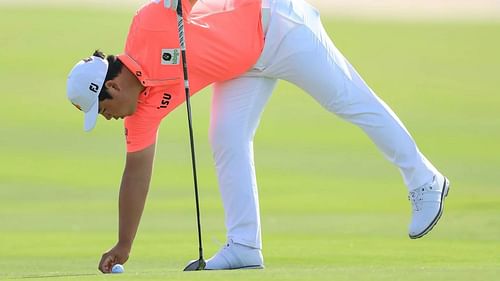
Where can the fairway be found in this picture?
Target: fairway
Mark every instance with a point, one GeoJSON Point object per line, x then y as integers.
{"type": "Point", "coordinates": [332, 207]}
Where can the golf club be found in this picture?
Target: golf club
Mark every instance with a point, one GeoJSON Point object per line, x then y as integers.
{"type": "Point", "coordinates": [200, 263]}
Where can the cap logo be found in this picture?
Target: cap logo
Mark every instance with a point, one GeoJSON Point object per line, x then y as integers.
{"type": "Point", "coordinates": [94, 87]}
{"type": "Point", "coordinates": [170, 56]}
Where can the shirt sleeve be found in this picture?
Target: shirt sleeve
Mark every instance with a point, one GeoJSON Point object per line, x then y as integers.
{"type": "Point", "coordinates": [141, 130]}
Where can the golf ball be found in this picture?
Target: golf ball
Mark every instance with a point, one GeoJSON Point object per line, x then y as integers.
{"type": "Point", "coordinates": [117, 268]}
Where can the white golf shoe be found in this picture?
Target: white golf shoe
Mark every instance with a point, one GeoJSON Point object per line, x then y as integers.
{"type": "Point", "coordinates": [427, 203]}
{"type": "Point", "coordinates": [236, 256]}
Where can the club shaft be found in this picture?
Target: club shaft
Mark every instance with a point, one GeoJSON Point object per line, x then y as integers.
{"type": "Point", "coordinates": [180, 25]}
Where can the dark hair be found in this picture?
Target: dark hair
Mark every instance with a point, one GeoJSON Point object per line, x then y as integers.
{"type": "Point", "coordinates": [114, 68]}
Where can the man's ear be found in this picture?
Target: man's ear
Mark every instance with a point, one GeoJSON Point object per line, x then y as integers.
{"type": "Point", "coordinates": [112, 86]}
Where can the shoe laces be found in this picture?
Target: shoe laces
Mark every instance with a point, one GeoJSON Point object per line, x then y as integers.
{"type": "Point", "coordinates": [416, 196]}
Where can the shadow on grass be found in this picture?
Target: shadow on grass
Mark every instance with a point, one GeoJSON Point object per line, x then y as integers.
{"type": "Point", "coordinates": [51, 276]}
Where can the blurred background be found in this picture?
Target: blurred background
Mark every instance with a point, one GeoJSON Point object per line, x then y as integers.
{"type": "Point", "coordinates": [331, 205]}
{"type": "Point", "coordinates": [400, 9]}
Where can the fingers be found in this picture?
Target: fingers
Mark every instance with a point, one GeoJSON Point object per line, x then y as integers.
{"type": "Point", "coordinates": [117, 254]}
{"type": "Point", "coordinates": [107, 262]}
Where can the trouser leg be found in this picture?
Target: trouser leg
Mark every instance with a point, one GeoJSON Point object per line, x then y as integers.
{"type": "Point", "coordinates": [236, 109]}
{"type": "Point", "coordinates": [308, 58]}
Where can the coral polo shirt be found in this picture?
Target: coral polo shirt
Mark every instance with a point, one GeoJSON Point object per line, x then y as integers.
{"type": "Point", "coordinates": [224, 39]}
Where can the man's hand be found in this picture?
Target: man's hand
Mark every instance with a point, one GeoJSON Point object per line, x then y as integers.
{"type": "Point", "coordinates": [133, 192]}
{"type": "Point", "coordinates": [118, 254]}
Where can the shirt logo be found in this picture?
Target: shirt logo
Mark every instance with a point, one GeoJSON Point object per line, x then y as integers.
{"type": "Point", "coordinates": [167, 3]}
{"type": "Point", "coordinates": [170, 56]}
{"type": "Point", "coordinates": [165, 101]}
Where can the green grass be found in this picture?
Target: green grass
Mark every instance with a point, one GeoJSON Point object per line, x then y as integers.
{"type": "Point", "coordinates": [332, 207]}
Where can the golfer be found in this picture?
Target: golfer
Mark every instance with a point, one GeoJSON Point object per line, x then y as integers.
{"type": "Point", "coordinates": [241, 48]}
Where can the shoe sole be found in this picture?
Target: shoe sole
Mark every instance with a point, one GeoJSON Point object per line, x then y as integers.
{"type": "Point", "coordinates": [446, 189]}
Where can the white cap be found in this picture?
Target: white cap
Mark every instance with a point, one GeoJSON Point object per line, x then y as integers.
{"type": "Point", "coordinates": [85, 82]}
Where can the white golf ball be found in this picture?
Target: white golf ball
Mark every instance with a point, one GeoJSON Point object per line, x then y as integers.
{"type": "Point", "coordinates": [117, 268]}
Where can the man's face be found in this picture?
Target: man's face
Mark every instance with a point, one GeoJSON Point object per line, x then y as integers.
{"type": "Point", "coordinates": [118, 107]}
{"type": "Point", "coordinates": [124, 97]}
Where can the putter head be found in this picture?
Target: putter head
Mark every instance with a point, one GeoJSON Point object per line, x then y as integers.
{"type": "Point", "coordinates": [196, 265]}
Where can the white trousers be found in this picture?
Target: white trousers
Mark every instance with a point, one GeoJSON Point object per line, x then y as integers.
{"type": "Point", "coordinates": [297, 49]}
